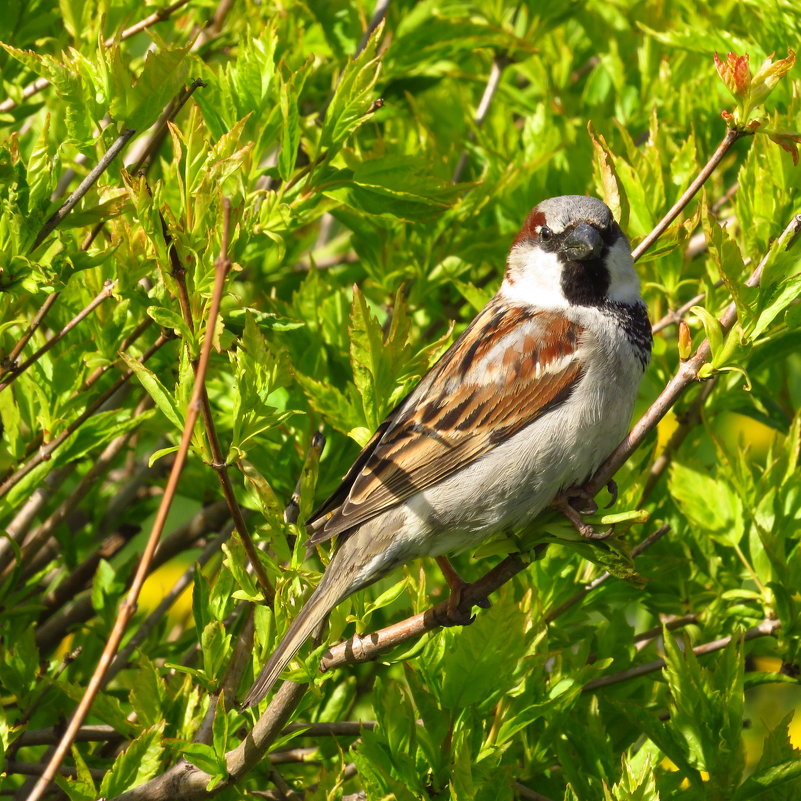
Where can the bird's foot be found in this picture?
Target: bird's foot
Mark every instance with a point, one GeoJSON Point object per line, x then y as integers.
{"type": "Point", "coordinates": [458, 609]}
{"type": "Point", "coordinates": [562, 503]}
{"type": "Point", "coordinates": [611, 487]}
{"type": "Point", "coordinates": [578, 498]}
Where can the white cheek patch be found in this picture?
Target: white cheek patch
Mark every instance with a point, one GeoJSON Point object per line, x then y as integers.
{"type": "Point", "coordinates": [624, 285]}
{"type": "Point", "coordinates": [534, 277]}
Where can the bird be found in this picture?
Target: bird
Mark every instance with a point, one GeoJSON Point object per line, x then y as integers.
{"type": "Point", "coordinates": [526, 404]}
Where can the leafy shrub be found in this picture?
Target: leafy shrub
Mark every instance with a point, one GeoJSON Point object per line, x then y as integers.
{"type": "Point", "coordinates": [356, 183]}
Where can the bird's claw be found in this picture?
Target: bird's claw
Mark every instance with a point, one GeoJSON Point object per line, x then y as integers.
{"type": "Point", "coordinates": [587, 504]}
{"type": "Point", "coordinates": [571, 513]}
{"type": "Point", "coordinates": [458, 611]}
{"type": "Point", "coordinates": [612, 489]}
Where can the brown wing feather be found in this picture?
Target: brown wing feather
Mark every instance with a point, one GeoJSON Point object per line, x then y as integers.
{"type": "Point", "coordinates": [480, 393]}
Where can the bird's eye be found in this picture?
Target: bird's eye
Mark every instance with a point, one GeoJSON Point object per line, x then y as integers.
{"type": "Point", "coordinates": [545, 233]}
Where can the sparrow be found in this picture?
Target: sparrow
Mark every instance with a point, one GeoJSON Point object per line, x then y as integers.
{"type": "Point", "coordinates": [527, 403]}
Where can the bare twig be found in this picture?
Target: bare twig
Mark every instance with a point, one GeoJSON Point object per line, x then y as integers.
{"type": "Point", "coordinates": [690, 419]}
{"type": "Point", "coordinates": [673, 317]}
{"type": "Point", "coordinates": [218, 458]}
{"type": "Point", "coordinates": [35, 769]}
{"type": "Point", "coordinates": [723, 148]}
{"type": "Point", "coordinates": [642, 639]}
{"type": "Point", "coordinates": [379, 12]}
{"type": "Point", "coordinates": [207, 520]}
{"type": "Point", "coordinates": [84, 186]}
{"type": "Point", "coordinates": [528, 793]}
{"type": "Point", "coordinates": [42, 83]}
{"type": "Point", "coordinates": [556, 611]}
{"type": "Point", "coordinates": [765, 629]}
{"type": "Point", "coordinates": [13, 355]}
{"type": "Point", "coordinates": [86, 734]}
{"type": "Point", "coordinates": [145, 148]}
{"type": "Point", "coordinates": [338, 728]}
{"type": "Point", "coordinates": [16, 371]}
{"type": "Point", "coordinates": [166, 603]}
{"type": "Point", "coordinates": [128, 606]}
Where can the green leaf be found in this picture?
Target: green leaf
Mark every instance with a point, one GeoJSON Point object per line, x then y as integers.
{"type": "Point", "coordinates": [205, 758]}
{"type": "Point", "coordinates": [290, 131]}
{"type": "Point", "coordinates": [162, 76]}
{"type": "Point", "coordinates": [138, 763]}
{"type": "Point", "coordinates": [162, 398]}
{"type": "Point", "coordinates": [350, 106]}
{"type": "Point", "coordinates": [708, 710]}
{"type": "Point", "coordinates": [708, 503]}
{"type": "Point", "coordinates": [171, 320]}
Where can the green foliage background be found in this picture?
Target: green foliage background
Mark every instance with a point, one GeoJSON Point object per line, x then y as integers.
{"type": "Point", "coordinates": [354, 250]}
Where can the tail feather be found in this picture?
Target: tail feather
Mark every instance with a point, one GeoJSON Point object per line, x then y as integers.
{"type": "Point", "coordinates": [328, 594]}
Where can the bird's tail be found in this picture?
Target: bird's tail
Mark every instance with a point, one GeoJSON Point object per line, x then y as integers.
{"type": "Point", "coordinates": [329, 592]}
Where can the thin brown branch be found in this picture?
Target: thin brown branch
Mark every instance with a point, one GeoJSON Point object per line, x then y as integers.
{"type": "Point", "coordinates": [42, 533]}
{"type": "Point", "coordinates": [35, 769]}
{"type": "Point", "coordinates": [42, 83]}
{"type": "Point", "coordinates": [766, 628]}
{"type": "Point", "coordinates": [145, 148]}
{"type": "Point", "coordinates": [723, 148]}
{"type": "Point", "coordinates": [218, 458]}
{"type": "Point", "coordinates": [186, 781]}
{"type": "Point", "coordinates": [83, 187]}
{"type": "Point", "coordinates": [166, 603]}
{"type": "Point", "coordinates": [86, 734]}
{"type": "Point", "coordinates": [13, 355]}
{"type": "Point", "coordinates": [337, 728]}
{"type": "Point", "coordinates": [528, 793]}
{"type": "Point", "coordinates": [673, 317]}
{"type": "Point", "coordinates": [365, 647]}
{"type": "Point", "coordinates": [556, 611]}
{"type": "Point", "coordinates": [379, 12]}
{"type": "Point", "coordinates": [642, 639]}
{"type": "Point", "coordinates": [156, 16]}
{"type": "Point", "coordinates": [685, 375]}
{"type": "Point", "coordinates": [17, 370]}
{"type": "Point", "coordinates": [80, 609]}
{"type": "Point", "coordinates": [128, 606]}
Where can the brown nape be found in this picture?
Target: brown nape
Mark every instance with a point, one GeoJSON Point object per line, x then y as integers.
{"type": "Point", "coordinates": [535, 219]}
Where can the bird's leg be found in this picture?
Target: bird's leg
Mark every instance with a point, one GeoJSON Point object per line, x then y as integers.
{"type": "Point", "coordinates": [562, 502]}
{"type": "Point", "coordinates": [457, 585]}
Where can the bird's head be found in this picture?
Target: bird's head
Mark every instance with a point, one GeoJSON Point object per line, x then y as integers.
{"type": "Point", "coordinates": [570, 252]}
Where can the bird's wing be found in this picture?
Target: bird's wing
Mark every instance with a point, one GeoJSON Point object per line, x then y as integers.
{"type": "Point", "coordinates": [511, 365]}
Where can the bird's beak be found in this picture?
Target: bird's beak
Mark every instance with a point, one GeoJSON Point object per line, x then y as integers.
{"type": "Point", "coordinates": [583, 243]}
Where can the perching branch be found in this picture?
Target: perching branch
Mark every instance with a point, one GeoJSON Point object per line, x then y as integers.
{"type": "Point", "coordinates": [366, 647]}
{"type": "Point", "coordinates": [128, 606]}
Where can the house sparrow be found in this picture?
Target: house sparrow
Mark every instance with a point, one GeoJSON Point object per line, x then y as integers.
{"type": "Point", "coordinates": [528, 402]}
